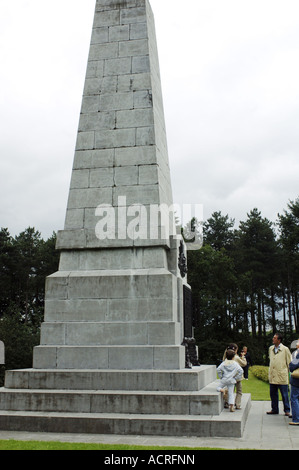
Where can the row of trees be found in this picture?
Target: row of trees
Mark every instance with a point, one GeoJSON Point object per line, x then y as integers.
{"type": "Point", "coordinates": [245, 282]}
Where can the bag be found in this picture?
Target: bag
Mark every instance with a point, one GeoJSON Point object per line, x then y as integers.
{"type": "Point", "coordinates": [295, 374]}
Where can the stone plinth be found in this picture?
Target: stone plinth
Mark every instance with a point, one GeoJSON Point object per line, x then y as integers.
{"type": "Point", "coordinates": [164, 402]}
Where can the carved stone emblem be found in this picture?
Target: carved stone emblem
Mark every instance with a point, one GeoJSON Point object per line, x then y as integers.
{"type": "Point", "coordinates": [182, 260]}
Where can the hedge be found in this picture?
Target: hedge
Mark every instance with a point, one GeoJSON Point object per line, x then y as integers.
{"type": "Point", "coordinates": [261, 373]}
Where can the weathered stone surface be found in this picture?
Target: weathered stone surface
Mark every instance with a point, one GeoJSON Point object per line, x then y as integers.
{"type": "Point", "coordinates": [171, 402]}
{"type": "Point", "coordinates": [191, 380]}
{"type": "Point", "coordinates": [109, 357]}
{"type": "Point", "coordinates": [119, 125]}
{"type": "Point", "coordinates": [110, 333]}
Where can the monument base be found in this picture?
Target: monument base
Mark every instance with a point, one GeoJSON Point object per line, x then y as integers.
{"type": "Point", "coordinates": [136, 402]}
{"type": "Point", "coordinates": [112, 318]}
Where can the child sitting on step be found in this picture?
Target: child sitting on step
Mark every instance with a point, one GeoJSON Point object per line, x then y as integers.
{"type": "Point", "coordinates": [229, 372]}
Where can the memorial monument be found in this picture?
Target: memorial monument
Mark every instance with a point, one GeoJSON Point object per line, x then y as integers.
{"type": "Point", "coordinates": [111, 357]}
{"type": "Point", "coordinates": [116, 301]}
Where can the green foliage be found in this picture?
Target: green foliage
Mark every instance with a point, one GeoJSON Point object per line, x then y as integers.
{"type": "Point", "coordinates": [261, 373]}
{"type": "Point", "coordinates": [25, 261]}
{"type": "Point", "coordinates": [19, 339]}
{"type": "Point", "coordinates": [218, 231]}
{"type": "Point", "coordinates": [245, 283]}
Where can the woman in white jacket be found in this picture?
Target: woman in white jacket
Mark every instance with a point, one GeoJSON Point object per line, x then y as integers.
{"type": "Point", "coordinates": [229, 373]}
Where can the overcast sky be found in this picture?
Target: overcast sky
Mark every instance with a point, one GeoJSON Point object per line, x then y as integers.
{"type": "Point", "coordinates": [230, 80]}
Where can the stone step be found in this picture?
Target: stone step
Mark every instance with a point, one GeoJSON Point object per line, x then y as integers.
{"type": "Point", "coordinates": [194, 379]}
{"type": "Point", "coordinates": [112, 401]}
{"type": "Point", "coordinates": [110, 333]}
{"type": "Point", "coordinates": [137, 309]}
{"type": "Point", "coordinates": [224, 425]}
{"type": "Point", "coordinates": [109, 357]}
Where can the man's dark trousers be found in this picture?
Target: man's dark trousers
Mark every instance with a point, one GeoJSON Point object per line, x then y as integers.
{"type": "Point", "coordinates": [284, 390]}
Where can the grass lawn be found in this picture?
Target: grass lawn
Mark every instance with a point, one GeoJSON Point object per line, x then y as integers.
{"type": "Point", "coordinates": [40, 445]}
{"type": "Point", "coordinates": [259, 392]}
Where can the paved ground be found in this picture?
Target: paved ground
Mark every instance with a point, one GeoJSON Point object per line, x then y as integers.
{"type": "Point", "coordinates": [262, 432]}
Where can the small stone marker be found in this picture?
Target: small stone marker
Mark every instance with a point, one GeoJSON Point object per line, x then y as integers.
{"type": "Point", "coordinates": [2, 354]}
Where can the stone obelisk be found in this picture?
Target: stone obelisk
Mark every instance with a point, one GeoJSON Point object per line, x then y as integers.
{"type": "Point", "coordinates": [116, 301]}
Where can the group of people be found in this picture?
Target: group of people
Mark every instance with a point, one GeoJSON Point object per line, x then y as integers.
{"type": "Point", "coordinates": [282, 364]}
